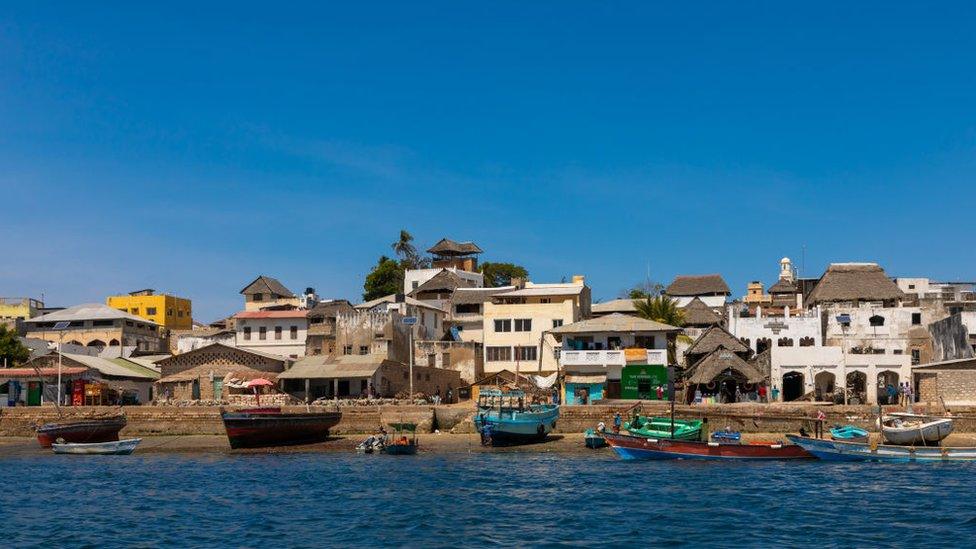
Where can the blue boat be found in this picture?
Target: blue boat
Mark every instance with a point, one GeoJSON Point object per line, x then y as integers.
{"type": "Point", "coordinates": [727, 436]}
{"type": "Point", "coordinates": [835, 450]}
{"type": "Point", "coordinates": [506, 418]}
{"type": "Point", "coordinates": [594, 439]}
{"type": "Point", "coordinates": [848, 433]}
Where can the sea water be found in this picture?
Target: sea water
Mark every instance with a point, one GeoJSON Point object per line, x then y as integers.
{"type": "Point", "coordinates": [478, 499]}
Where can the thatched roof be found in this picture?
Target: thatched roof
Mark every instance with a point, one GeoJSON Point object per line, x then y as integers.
{"type": "Point", "coordinates": [444, 281]}
{"type": "Point", "coordinates": [692, 285]}
{"type": "Point", "coordinates": [714, 338]}
{"type": "Point", "coordinates": [697, 313]}
{"type": "Point", "coordinates": [329, 309]}
{"type": "Point", "coordinates": [449, 247]}
{"type": "Point", "coordinates": [854, 282]}
{"type": "Point", "coordinates": [266, 285]}
{"type": "Point", "coordinates": [614, 306]}
{"type": "Point", "coordinates": [613, 323]}
{"type": "Point", "coordinates": [719, 361]}
{"type": "Point", "coordinates": [466, 296]}
{"type": "Point", "coordinates": [783, 287]}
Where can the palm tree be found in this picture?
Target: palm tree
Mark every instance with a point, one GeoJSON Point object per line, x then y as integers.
{"type": "Point", "coordinates": [665, 310]}
{"type": "Point", "coordinates": [403, 247]}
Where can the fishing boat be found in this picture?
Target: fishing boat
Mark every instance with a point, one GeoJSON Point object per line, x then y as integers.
{"type": "Point", "coordinates": [505, 418]}
{"type": "Point", "coordinates": [594, 439]}
{"type": "Point", "coordinates": [111, 448]}
{"type": "Point", "coordinates": [660, 427]}
{"type": "Point", "coordinates": [907, 429]}
{"type": "Point", "coordinates": [836, 450]}
{"type": "Point", "coordinates": [631, 447]}
{"type": "Point", "coordinates": [263, 427]}
{"type": "Point", "coordinates": [81, 430]}
{"type": "Point", "coordinates": [848, 433]}
{"type": "Point", "coordinates": [399, 443]}
{"type": "Point", "coordinates": [372, 444]}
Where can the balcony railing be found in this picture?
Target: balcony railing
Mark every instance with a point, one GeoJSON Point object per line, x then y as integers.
{"type": "Point", "coordinates": [583, 358]}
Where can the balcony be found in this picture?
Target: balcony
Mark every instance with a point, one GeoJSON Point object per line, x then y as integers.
{"type": "Point", "coordinates": [595, 358]}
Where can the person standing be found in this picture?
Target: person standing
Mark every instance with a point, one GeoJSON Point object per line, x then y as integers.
{"type": "Point", "coordinates": [775, 393]}
{"type": "Point", "coordinates": [617, 421]}
{"type": "Point", "coordinates": [660, 392]}
{"type": "Point", "coordinates": [762, 393]}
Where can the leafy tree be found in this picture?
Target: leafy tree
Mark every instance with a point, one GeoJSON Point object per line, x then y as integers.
{"type": "Point", "coordinates": [665, 310]}
{"type": "Point", "coordinates": [11, 348]}
{"type": "Point", "coordinates": [407, 252]}
{"type": "Point", "coordinates": [643, 290]}
{"type": "Point", "coordinates": [501, 274]}
{"type": "Point", "coordinates": [386, 278]}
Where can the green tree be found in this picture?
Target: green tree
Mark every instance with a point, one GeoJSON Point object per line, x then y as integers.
{"type": "Point", "coordinates": [501, 274]}
{"type": "Point", "coordinates": [11, 349]}
{"type": "Point", "coordinates": [665, 310]}
{"type": "Point", "coordinates": [386, 278]}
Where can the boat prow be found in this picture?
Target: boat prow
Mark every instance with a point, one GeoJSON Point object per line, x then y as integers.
{"type": "Point", "coordinates": [265, 427]}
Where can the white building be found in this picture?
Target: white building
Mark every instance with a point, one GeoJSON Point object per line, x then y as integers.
{"type": "Point", "coordinates": [791, 330]}
{"type": "Point", "coordinates": [710, 288]}
{"type": "Point", "coordinates": [430, 319]}
{"type": "Point", "coordinates": [466, 311]}
{"type": "Point", "coordinates": [414, 278]}
{"type": "Point", "coordinates": [829, 371]}
{"type": "Point", "coordinates": [281, 333]}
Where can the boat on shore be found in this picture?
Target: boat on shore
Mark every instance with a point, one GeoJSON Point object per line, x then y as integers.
{"type": "Point", "coordinates": [264, 427]}
{"type": "Point", "coordinates": [836, 450]}
{"type": "Point", "coordinates": [594, 439]}
{"type": "Point", "coordinates": [506, 418]}
{"type": "Point", "coordinates": [403, 440]}
{"type": "Point", "coordinates": [848, 433]}
{"type": "Point", "coordinates": [631, 447]}
{"type": "Point", "coordinates": [661, 427]}
{"type": "Point", "coordinates": [111, 448]}
{"type": "Point", "coordinates": [914, 429]}
{"type": "Point", "coordinates": [88, 430]}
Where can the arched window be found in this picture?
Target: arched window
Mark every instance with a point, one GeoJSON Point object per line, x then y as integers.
{"type": "Point", "coordinates": [877, 320]}
{"type": "Point", "coordinates": [784, 342]}
{"type": "Point", "coordinates": [745, 341]}
{"type": "Point", "coordinates": [113, 343]}
{"type": "Point", "coordinates": [762, 344]}
{"type": "Point", "coordinates": [806, 341]}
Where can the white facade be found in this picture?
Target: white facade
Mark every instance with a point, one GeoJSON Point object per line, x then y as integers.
{"type": "Point", "coordinates": [413, 278]}
{"type": "Point", "coordinates": [829, 367]}
{"type": "Point", "coordinates": [275, 335]}
{"type": "Point", "coordinates": [780, 331]}
{"type": "Point", "coordinates": [713, 301]}
{"type": "Point", "coordinates": [873, 328]}
{"type": "Point", "coordinates": [430, 320]}
{"type": "Point", "coordinates": [189, 342]}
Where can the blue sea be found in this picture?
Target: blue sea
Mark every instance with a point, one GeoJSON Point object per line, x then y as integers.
{"type": "Point", "coordinates": [476, 499]}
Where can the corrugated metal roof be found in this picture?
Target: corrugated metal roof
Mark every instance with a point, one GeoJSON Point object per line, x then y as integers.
{"type": "Point", "coordinates": [615, 322]}
{"type": "Point", "coordinates": [110, 368]}
{"type": "Point", "coordinates": [88, 311]}
{"type": "Point", "coordinates": [296, 313]}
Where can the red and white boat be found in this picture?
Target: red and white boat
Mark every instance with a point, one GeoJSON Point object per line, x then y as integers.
{"type": "Point", "coordinates": [631, 448]}
{"type": "Point", "coordinates": [81, 431]}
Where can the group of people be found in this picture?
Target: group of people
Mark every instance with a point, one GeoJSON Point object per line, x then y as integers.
{"type": "Point", "coordinates": [901, 395]}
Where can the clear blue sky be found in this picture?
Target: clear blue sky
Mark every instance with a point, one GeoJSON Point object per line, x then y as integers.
{"type": "Point", "coordinates": [191, 148]}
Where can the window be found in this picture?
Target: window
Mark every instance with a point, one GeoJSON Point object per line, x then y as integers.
{"type": "Point", "coordinates": [545, 300]}
{"type": "Point", "coordinates": [277, 332]}
{"type": "Point", "coordinates": [467, 308]}
{"type": "Point", "coordinates": [445, 360]}
{"type": "Point", "coordinates": [916, 319]}
{"type": "Point", "coordinates": [916, 357]}
{"type": "Point", "coordinates": [876, 320]}
{"type": "Point", "coordinates": [262, 333]}
{"type": "Point", "coordinates": [523, 324]}
{"type": "Point", "coordinates": [179, 314]}
{"type": "Point", "coordinates": [526, 353]}
{"type": "Point", "coordinates": [247, 333]}
{"type": "Point", "coordinates": [294, 332]}
{"type": "Point", "coordinates": [364, 349]}
{"type": "Point", "coordinates": [806, 341]}
{"type": "Point", "coordinates": [498, 354]}
{"type": "Point", "coordinates": [503, 325]}
{"type": "Point", "coordinates": [414, 284]}
{"type": "Point", "coordinates": [557, 322]}
{"type": "Point", "coordinates": [784, 342]}
{"type": "Point", "coordinates": [169, 312]}
{"type": "Point", "coordinates": [347, 349]}
{"type": "Point", "coordinates": [135, 310]}
{"type": "Point", "coordinates": [911, 286]}
{"type": "Point", "coordinates": [426, 377]}
{"type": "Point", "coordinates": [151, 311]}
{"type": "Point", "coordinates": [257, 297]}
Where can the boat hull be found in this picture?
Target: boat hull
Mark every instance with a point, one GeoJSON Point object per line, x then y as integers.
{"type": "Point", "coordinates": [513, 427]}
{"type": "Point", "coordinates": [594, 440]}
{"type": "Point", "coordinates": [111, 448]}
{"type": "Point", "coordinates": [400, 449]}
{"type": "Point", "coordinates": [835, 450]}
{"type": "Point", "coordinates": [931, 432]}
{"type": "Point", "coordinates": [83, 431]}
{"type": "Point", "coordinates": [640, 448]}
{"type": "Point", "coordinates": [263, 428]}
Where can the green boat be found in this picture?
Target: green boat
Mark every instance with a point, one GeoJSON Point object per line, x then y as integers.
{"type": "Point", "coordinates": [660, 427]}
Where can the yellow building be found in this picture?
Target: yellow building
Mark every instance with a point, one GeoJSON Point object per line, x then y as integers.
{"type": "Point", "coordinates": [19, 308]}
{"type": "Point", "coordinates": [171, 312]}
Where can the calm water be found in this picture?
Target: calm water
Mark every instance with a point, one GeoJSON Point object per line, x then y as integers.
{"type": "Point", "coordinates": [292, 500]}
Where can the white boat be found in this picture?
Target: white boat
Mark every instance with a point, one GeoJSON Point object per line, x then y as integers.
{"type": "Point", "coordinates": [115, 447]}
{"type": "Point", "coordinates": [836, 450]}
{"type": "Point", "coordinates": [911, 429]}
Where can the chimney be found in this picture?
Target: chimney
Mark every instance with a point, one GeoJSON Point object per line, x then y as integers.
{"type": "Point", "coordinates": [518, 282]}
{"type": "Point", "coordinates": [579, 280]}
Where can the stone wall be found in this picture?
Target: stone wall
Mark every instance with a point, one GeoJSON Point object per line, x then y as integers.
{"type": "Point", "coordinates": [382, 333]}
{"type": "Point", "coordinates": [220, 356]}
{"type": "Point", "coordinates": [395, 380]}
{"type": "Point", "coordinates": [953, 386]}
{"type": "Point", "coordinates": [464, 357]}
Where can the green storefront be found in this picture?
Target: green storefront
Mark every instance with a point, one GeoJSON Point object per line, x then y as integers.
{"type": "Point", "coordinates": [640, 381]}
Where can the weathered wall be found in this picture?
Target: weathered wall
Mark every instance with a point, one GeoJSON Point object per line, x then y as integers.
{"type": "Point", "coordinates": [950, 339]}
{"type": "Point", "coordinates": [382, 333]}
{"type": "Point", "coordinates": [464, 357]}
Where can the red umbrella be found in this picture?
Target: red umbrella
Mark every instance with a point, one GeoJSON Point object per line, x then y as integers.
{"type": "Point", "coordinates": [259, 382]}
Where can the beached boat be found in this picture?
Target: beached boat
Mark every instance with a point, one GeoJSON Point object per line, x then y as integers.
{"type": "Point", "coordinates": [111, 448]}
{"type": "Point", "coordinates": [630, 447]}
{"type": "Point", "coordinates": [263, 427]}
{"type": "Point", "coordinates": [506, 418]}
{"type": "Point", "coordinates": [836, 450]}
{"type": "Point", "coordinates": [907, 429]}
{"type": "Point", "coordinates": [81, 430]}
{"type": "Point", "coordinates": [594, 439]}
{"type": "Point", "coordinates": [399, 443]}
{"type": "Point", "coordinates": [372, 444]}
{"type": "Point", "coordinates": [660, 427]}
{"type": "Point", "coordinates": [848, 433]}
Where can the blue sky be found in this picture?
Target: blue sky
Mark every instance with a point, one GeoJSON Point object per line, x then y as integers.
{"type": "Point", "coordinates": [190, 148]}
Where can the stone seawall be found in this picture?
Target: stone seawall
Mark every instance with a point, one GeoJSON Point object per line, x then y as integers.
{"type": "Point", "coordinates": [203, 420]}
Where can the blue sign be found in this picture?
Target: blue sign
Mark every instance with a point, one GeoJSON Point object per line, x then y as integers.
{"type": "Point", "coordinates": [409, 320]}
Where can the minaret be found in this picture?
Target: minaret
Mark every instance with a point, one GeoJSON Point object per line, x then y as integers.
{"type": "Point", "coordinates": [786, 270]}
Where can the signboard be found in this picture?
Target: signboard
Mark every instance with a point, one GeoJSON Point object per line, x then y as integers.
{"type": "Point", "coordinates": [409, 320]}
{"type": "Point", "coordinates": [641, 382]}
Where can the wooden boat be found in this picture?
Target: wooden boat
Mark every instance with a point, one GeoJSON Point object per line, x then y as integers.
{"type": "Point", "coordinates": [399, 443]}
{"type": "Point", "coordinates": [906, 429]}
{"type": "Point", "coordinates": [631, 447]}
{"type": "Point", "coordinates": [263, 427]}
{"type": "Point", "coordinates": [848, 433]}
{"type": "Point", "coordinates": [81, 430]}
{"type": "Point", "coordinates": [660, 427]}
{"type": "Point", "coordinates": [505, 418]}
{"type": "Point", "coordinates": [836, 450]}
{"type": "Point", "coordinates": [594, 440]}
{"type": "Point", "coordinates": [111, 448]}
{"type": "Point", "coordinates": [372, 444]}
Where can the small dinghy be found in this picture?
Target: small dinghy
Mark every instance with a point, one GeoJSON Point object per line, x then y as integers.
{"type": "Point", "coordinates": [594, 439]}
{"type": "Point", "coordinates": [371, 445]}
{"type": "Point", "coordinates": [848, 433]}
{"type": "Point", "coordinates": [112, 448]}
{"type": "Point", "coordinates": [911, 429]}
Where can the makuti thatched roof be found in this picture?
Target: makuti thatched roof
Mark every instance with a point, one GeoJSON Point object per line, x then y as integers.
{"type": "Point", "coordinates": [854, 282]}
{"type": "Point", "coordinates": [446, 246]}
{"type": "Point", "coordinates": [723, 360]}
{"type": "Point", "coordinates": [714, 338]}
{"type": "Point", "coordinates": [692, 285]}
{"type": "Point", "coordinates": [697, 313]}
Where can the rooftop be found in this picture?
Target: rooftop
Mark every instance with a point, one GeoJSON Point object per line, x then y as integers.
{"type": "Point", "coordinates": [392, 299]}
{"type": "Point", "coordinates": [693, 285]}
{"type": "Point", "coordinates": [615, 322]}
{"type": "Point", "coordinates": [88, 311]}
{"type": "Point", "coordinates": [613, 306]}
{"type": "Point", "coordinates": [447, 246]}
{"type": "Point", "coordinates": [290, 313]}
{"type": "Point", "coordinates": [854, 282]}
{"type": "Point", "coordinates": [267, 285]}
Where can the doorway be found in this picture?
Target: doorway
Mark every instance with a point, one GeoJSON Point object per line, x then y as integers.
{"type": "Point", "coordinates": [824, 386]}
{"type": "Point", "coordinates": [792, 386]}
